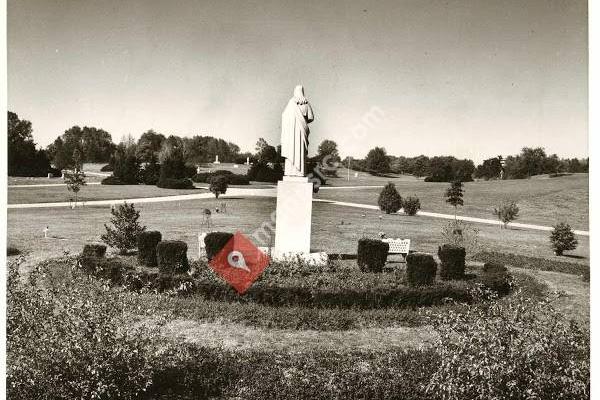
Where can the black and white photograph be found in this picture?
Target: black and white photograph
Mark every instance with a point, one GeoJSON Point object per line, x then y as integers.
{"type": "Point", "coordinates": [341, 199]}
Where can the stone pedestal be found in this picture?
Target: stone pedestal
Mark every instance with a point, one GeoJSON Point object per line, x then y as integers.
{"type": "Point", "coordinates": [293, 216]}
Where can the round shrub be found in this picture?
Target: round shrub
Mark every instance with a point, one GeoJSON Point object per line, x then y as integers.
{"type": "Point", "coordinates": [452, 259]}
{"type": "Point", "coordinates": [107, 168]}
{"type": "Point", "coordinates": [420, 269]}
{"type": "Point", "coordinates": [389, 200]}
{"type": "Point", "coordinates": [146, 244]}
{"type": "Point", "coordinates": [411, 205]}
{"type": "Point", "coordinates": [562, 238]}
{"type": "Point", "coordinates": [173, 183]}
{"type": "Point", "coordinates": [171, 257]}
{"type": "Point", "coordinates": [94, 250]}
{"type": "Point", "coordinates": [223, 172]}
{"type": "Point", "coordinates": [494, 268]}
{"type": "Point", "coordinates": [372, 255]}
{"type": "Point", "coordinates": [214, 242]}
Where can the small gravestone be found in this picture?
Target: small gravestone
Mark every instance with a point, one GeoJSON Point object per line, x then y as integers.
{"type": "Point", "coordinates": [217, 160]}
{"type": "Point", "coordinates": [46, 230]}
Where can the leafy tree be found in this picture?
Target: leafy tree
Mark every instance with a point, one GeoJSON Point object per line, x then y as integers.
{"type": "Point", "coordinates": [149, 145]}
{"type": "Point", "coordinates": [507, 212]}
{"type": "Point", "coordinates": [377, 160]}
{"type": "Point", "coordinates": [23, 157]}
{"type": "Point", "coordinates": [562, 238]}
{"type": "Point", "coordinates": [94, 144]}
{"type": "Point", "coordinates": [150, 174]}
{"type": "Point", "coordinates": [218, 185]}
{"type": "Point", "coordinates": [489, 169]}
{"type": "Point", "coordinates": [75, 180]}
{"type": "Point", "coordinates": [328, 148]}
{"type": "Point", "coordinates": [125, 228]}
{"type": "Point", "coordinates": [454, 195]}
{"type": "Point", "coordinates": [389, 200]}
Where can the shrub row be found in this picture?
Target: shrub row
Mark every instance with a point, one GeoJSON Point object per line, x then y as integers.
{"type": "Point", "coordinates": [112, 180]}
{"type": "Point", "coordinates": [171, 256]}
{"type": "Point", "coordinates": [349, 289]}
{"type": "Point", "coordinates": [531, 262]}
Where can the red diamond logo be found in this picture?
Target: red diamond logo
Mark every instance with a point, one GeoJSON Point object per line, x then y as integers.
{"type": "Point", "coordinates": [239, 262]}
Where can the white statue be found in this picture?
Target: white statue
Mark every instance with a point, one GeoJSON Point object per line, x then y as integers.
{"type": "Point", "coordinates": [294, 133]}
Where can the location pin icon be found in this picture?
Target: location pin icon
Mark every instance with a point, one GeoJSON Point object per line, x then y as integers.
{"type": "Point", "coordinates": [236, 260]}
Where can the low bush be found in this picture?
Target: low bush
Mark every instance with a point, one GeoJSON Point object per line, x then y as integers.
{"type": "Point", "coordinates": [174, 183]}
{"type": "Point", "coordinates": [93, 250]}
{"type": "Point", "coordinates": [452, 261]}
{"type": "Point", "coordinates": [111, 180]}
{"type": "Point", "coordinates": [372, 255]}
{"type": "Point", "coordinates": [171, 256]}
{"type": "Point", "coordinates": [65, 339]}
{"type": "Point", "coordinates": [532, 262]}
{"type": "Point", "coordinates": [214, 242]}
{"type": "Point", "coordinates": [223, 172]}
{"type": "Point", "coordinates": [107, 168]}
{"type": "Point", "coordinates": [111, 269]}
{"type": "Point", "coordinates": [146, 244]}
{"type": "Point", "coordinates": [411, 205]}
{"type": "Point", "coordinates": [510, 350]}
{"type": "Point", "coordinates": [420, 269]}
{"type": "Point", "coordinates": [202, 177]}
{"type": "Point", "coordinates": [493, 267]}
{"type": "Point", "coordinates": [235, 179]}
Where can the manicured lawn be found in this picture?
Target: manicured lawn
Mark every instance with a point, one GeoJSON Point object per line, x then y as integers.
{"type": "Point", "coordinates": [181, 220]}
{"type": "Point", "coordinates": [542, 201]}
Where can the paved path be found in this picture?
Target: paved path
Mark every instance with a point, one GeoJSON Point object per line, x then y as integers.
{"type": "Point", "coordinates": [47, 185]}
{"type": "Point", "coordinates": [272, 192]}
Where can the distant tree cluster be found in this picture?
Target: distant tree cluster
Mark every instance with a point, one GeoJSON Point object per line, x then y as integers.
{"type": "Point", "coordinates": [94, 144]}
{"type": "Point", "coordinates": [24, 159]}
{"type": "Point", "coordinates": [530, 162]}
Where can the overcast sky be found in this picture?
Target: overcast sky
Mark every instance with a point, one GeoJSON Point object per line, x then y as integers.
{"type": "Point", "coordinates": [466, 78]}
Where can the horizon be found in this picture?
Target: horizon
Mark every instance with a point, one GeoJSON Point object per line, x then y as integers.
{"type": "Point", "coordinates": [457, 78]}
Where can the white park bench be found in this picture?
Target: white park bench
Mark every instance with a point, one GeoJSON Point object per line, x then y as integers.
{"type": "Point", "coordinates": [398, 246]}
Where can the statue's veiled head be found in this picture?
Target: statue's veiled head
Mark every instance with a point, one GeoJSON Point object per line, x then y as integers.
{"type": "Point", "coordinates": [299, 95]}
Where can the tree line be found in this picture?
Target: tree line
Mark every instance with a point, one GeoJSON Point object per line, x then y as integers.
{"type": "Point", "coordinates": [152, 148]}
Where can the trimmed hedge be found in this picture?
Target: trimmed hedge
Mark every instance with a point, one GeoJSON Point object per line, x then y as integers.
{"type": "Point", "coordinates": [532, 262]}
{"type": "Point", "coordinates": [107, 168]}
{"type": "Point", "coordinates": [371, 254]}
{"type": "Point", "coordinates": [112, 269]}
{"type": "Point", "coordinates": [345, 289]}
{"type": "Point", "coordinates": [146, 244]}
{"type": "Point", "coordinates": [171, 257]}
{"type": "Point", "coordinates": [94, 250]}
{"type": "Point", "coordinates": [173, 183]}
{"type": "Point", "coordinates": [215, 241]}
{"type": "Point", "coordinates": [12, 251]}
{"type": "Point", "coordinates": [420, 269]}
{"type": "Point", "coordinates": [452, 260]}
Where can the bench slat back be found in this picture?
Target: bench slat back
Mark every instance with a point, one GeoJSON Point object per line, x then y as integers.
{"type": "Point", "coordinates": [398, 246]}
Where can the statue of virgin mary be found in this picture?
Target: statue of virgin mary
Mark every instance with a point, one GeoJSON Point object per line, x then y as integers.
{"type": "Point", "coordinates": [294, 132]}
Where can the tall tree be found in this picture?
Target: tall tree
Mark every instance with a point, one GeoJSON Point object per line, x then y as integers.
{"type": "Point", "coordinates": [328, 148]}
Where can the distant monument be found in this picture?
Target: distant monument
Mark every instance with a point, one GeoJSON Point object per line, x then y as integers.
{"type": "Point", "coordinates": [216, 159]}
{"type": "Point", "coordinates": [247, 160]}
{"type": "Point", "coordinates": [294, 192]}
